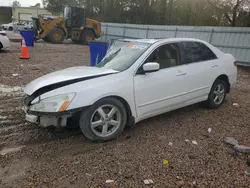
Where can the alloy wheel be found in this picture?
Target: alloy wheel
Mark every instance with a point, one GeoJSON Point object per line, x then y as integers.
{"type": "Point", "coordinates": [219, 94]}
{"type": "Point", "coordinates": [106, 120]}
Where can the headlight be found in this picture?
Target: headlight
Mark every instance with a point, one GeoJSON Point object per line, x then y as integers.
{"type": "Point", "coordinates": [57, 103]}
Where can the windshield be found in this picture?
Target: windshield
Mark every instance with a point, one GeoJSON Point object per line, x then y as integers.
{"type": "Point", "coordinates": [122, 54]}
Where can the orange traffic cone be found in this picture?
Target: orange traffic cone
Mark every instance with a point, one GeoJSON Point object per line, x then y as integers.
{"type": "Point", "coordinates": [24, 50]}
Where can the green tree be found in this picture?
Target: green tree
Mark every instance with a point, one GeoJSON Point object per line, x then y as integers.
{"type": "Point", "coordinates": [231, 9]}
{"type": "Point", "coordinates": [16, 4]}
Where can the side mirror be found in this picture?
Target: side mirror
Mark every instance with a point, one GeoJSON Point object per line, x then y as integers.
{"type": "Point", "coordinates": [151, 67]}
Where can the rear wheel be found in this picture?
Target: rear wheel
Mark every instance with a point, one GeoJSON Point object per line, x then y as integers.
{"type": "Point", "coordinates": [104, 120]}
{"type": "Point", "coordinates": [56, 35]}
{"type": "Point", "coordinates": [217, 94]}
{"type": "Point", "coordinates": [10, 28]}
{"type": "Point", "coordinates": [88, 36]}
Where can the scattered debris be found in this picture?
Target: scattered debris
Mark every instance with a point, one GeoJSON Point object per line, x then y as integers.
{"type": "Point", "coordinates": [165, 162]}
{"type": "Point", "coordinates": [209, 130]}
{"type": "Point", "coordinates": [180, 183]}
{"type": "Point", "coordinates": [194, 182]}
{"type": "Point", "coordinates": [236, 104]}
{"type": "Point", "coordinates": [247, 173]}
{"type": "Point", "coordinates": [148, 181]}
{"type": "Point", "coordinates": [248, 162]}
{"type": "Point", "coordinates": [237, 147]}
{"type": "Point", "coordinates": [110, 181]}
{"type": "Point", "coordinates": [87, 174]}
{"type": "Point", "coordinates": [242, 149]}
{"type": "Point", "coordinates": [231, 141]}
{"type": "Point", "coordinates": [170, 144]}
{"type": "Point", "coordinates": [194, 142]}
{"type": "Point", "coordinates": [15, 75]}
{"type": "Point", "coordinates": [11, 150]}
{"type": "Point", "coordinates": [186, 140]}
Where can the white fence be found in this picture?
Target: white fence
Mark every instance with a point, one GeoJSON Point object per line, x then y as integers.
{"type": "Point", "coordinates": [234, 40]}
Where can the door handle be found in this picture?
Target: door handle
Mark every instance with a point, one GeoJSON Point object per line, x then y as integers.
{"type": "Point", "coordinates": [181, 74]}
{"type": "Point", "coordinates": [213, 66]}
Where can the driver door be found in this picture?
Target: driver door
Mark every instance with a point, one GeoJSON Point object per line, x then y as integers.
{"type": "Point", "coordinates": [161, 91]}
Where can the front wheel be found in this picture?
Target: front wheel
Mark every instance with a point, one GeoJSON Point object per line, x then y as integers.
{"type": "Point", "coordinates": [56, 35]}
{"type": "Point", "coordinates": [217, 94]}
{"type": "Point", "coordinates": [104, 120]}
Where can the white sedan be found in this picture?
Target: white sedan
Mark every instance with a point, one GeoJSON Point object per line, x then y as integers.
{"type": "Point", "coordinates": [136, 80]}
{"type": "Point", "coordinates": [15, 26]}
{"type": "Point", "coordinates": [4, 41]}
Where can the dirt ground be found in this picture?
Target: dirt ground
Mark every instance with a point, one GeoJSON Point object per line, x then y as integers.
{"type": "Point", "coordinates": [35, 157]}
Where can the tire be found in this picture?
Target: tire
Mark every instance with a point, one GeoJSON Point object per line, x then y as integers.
{"type": "Point", "coordinates": [10, 28]}
{"type": "Point", "coordinates": [219, 85]}
{"type": "Point", "coordinates": [56, 35]}
{"type": "Point", "coordinates": [92, 116]}
{"type": "Point", "coordinates": [88, 36]}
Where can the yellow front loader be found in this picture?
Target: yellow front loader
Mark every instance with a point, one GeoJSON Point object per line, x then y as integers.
{"type": "Point", "coordinates": [74, 25]}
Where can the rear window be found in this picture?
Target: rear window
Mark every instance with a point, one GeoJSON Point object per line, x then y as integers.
{"type": "Point", "coordinates": [196, 52]}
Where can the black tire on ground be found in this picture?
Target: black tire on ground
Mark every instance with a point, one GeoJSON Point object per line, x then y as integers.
{"type": "Point", "coordinates": [88, 36]}
{"type": "Point", "coordinates": [87, 115]}
{"type": "Point", "coordinates": [1, 46]}
{"type": "Point", "coordinates": [10, 28]}
{"type": "Point", "coordinates": [56, 35]}
{"type": "Point", "coordinates": [210, 103]}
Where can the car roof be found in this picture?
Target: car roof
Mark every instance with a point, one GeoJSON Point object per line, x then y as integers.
{"type": "Point", "coordinates": [152, 41]}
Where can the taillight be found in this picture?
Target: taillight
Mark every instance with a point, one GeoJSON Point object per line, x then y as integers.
{"type": "Point", "coordinates": [235, 63]}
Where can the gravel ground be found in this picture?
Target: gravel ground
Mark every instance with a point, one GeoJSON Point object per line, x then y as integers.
{"type": "Point", "coordinates": [35, 157]}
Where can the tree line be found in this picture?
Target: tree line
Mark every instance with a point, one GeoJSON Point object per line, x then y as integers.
{"type": "Point", "coordinates": [162, 12]}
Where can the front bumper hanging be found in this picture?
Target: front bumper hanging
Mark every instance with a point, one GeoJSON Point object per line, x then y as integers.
{"type": "Point", "coordinates": [47, 119]}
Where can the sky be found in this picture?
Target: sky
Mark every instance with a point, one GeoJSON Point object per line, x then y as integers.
{"type": "Point", "coordinates": [24, 3]}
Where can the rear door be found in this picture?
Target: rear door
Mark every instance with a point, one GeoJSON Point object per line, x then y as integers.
{"type": "Point", "coordinates": [201, 67]}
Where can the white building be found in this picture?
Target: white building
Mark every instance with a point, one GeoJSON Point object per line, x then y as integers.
{"type": "Point", "coordinates": [26, 13]}
{"type": "Point", "coordinates": [8, 14]}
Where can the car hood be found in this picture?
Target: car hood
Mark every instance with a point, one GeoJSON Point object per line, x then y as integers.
{"type": "Point", "coordinates": [66, 77]}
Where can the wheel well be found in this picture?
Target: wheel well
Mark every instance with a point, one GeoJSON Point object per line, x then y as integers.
{"type": "Point", "coordinates": [225, 79]}
{"type": "Point", "coordinates": [130, 120]}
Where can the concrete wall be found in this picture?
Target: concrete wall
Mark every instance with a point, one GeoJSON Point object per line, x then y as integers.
{"type": "Point", "coordinates": [16, 11]}
{"type": "Point", "coordinates": [5, 15]}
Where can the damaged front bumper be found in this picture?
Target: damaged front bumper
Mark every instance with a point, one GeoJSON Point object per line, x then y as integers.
{"type": "Point", "coordinates": [43, 119]}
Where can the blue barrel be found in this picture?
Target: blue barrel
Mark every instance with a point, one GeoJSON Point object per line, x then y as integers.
{"type": "Point", "coordinates": [28, 37]}
{"type": "Point", "coordinates": [97, 51]}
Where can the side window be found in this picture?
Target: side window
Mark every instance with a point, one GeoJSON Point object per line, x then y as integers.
{"type": "Point", "coordinates": [167, 56]}
{"type": "Point", "coordinates": [196, 52]}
